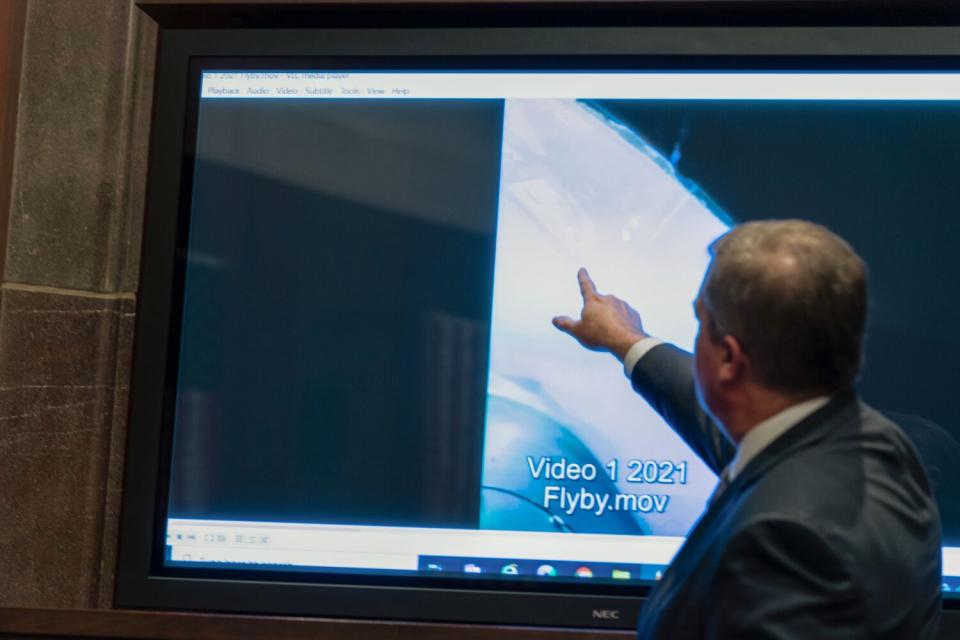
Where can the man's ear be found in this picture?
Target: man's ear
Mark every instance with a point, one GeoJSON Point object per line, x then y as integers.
{"type": "Point", "coordinates": [733, 361]}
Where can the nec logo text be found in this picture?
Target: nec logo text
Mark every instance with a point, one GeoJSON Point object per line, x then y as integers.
{"type": "Point", "coordinates": [606, 614]}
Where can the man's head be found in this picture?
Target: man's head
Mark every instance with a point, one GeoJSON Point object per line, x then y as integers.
{"type": "Point", "coordinates": [782, 312]}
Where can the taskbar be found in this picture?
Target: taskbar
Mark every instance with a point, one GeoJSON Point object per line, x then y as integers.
{"type": "Point", "coordinates": [335, 548]}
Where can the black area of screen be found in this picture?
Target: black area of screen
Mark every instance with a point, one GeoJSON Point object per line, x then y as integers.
{"type": "Point", "coordinates": [336, 312]}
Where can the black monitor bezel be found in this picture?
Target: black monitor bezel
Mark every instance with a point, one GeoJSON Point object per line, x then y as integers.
{"type": "Point", "coordinates": [142, 581]}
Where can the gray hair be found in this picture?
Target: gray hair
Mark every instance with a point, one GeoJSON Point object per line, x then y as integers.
{"type": "Point", "coordinates": [795, 296]}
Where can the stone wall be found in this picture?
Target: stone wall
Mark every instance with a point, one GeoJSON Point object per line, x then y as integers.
{"type": "Point", "coordinates": [68, 296]}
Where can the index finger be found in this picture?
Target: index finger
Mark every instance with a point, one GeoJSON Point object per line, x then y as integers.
{"type": "Point", "coordinates": [587, 289]}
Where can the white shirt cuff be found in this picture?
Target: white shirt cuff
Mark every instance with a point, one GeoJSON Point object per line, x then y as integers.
{"type": "Point", "coordinates": [637, 351]}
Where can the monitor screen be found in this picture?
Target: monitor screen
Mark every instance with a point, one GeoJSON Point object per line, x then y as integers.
{"type": "Point", "coordinates": [367, 380]}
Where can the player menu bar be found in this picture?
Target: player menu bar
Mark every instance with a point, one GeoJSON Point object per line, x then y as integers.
{"type": "Point", "coordinates": [632, 86]}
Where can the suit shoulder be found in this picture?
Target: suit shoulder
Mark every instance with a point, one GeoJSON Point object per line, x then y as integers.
{"type": "Point", "coordinates": [866, 451]}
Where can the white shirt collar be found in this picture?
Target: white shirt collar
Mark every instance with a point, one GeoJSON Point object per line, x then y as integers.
{"type": "Point", "coordinates": [762, 435]}
{"type": "Point", "coordinates": [758, 438]}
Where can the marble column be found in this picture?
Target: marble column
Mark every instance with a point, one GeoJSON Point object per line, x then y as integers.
{"type": "Point", "coordinates": [68, 297]}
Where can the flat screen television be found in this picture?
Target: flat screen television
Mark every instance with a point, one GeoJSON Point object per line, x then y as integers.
{"type": "Point", "coordinates": [348, 398]}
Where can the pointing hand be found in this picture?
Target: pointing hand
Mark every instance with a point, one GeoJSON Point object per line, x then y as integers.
{"type": "Point", "coordinates": [606, 322]}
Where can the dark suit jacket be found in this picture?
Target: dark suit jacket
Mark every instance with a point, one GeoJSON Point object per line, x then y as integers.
{"type": "Point", "coordinates": [830, 532]}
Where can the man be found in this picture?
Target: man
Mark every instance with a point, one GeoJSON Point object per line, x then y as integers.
{"type": "Point", "coordinates": [822, 524]}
